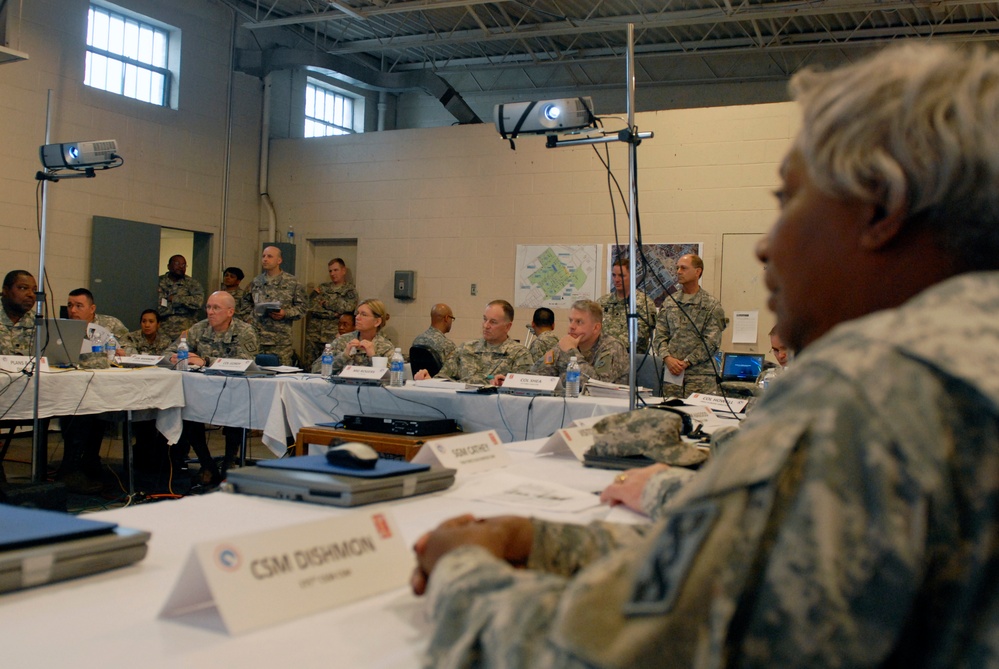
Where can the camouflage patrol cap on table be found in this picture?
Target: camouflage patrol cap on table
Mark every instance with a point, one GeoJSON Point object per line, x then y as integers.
{"type": "Point", "coordinates": [649, 432]}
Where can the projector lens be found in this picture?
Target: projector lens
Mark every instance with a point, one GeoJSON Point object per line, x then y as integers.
{"type": "Point", "coordinates": [552, 112]}
{"type": "Point", "coordinates": [74, 152]}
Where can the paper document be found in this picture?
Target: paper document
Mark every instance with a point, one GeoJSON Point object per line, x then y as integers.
{"type": "Point", "coordinates": [744, 326]}
{"type": "Point", "coordinates": [512, 490]}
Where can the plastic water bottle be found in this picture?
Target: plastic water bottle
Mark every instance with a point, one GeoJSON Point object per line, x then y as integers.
{"type": "Point", "coordinates": [96, 342]}
{"type": "Point", "coordinates": [396, 367]}
{"type": "Point", "coordinates": [327, 361]}
{"type": "Point", "coordinates": [182, 353]}
{"type": "Point", "coordinates": [111, 349]}
{"type": "Point", "coordinates": [572, 378]}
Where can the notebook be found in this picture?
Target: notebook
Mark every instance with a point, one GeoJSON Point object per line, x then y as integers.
{"type": "Point", "coordinates": [38, 547]}
{"type": "Point", "coordinates": [62, 340]}
{"type": "Point", "coordinates": [312, 479]}
{"type": "Point", "coordinates": [741, 366]}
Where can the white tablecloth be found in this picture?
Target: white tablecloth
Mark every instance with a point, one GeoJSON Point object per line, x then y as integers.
{"type": "Point", "coordinates": [67, 393]}
{"type": "Point", "coordinates": [110, 620]}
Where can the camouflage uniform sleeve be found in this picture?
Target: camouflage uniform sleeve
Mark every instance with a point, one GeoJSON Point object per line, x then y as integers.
{"type": "Point", "coordinates": [646, 310]}
{"type": "Point", "coordinates": [448, 348]}
{"type": "Point", "coordinates": [661, 488]}
{"type": "Point", "coordinates": [295, 308]}
{"type": "Point", "coordinates": [383, 347]}
{"type": "Point", "coordinates": [564, 548]}
{"type": "Point", "coordinates": [610, 364]}
{"type": "Point", "coordinates": [247, 344]}
{"type": "Point", "coordinates": [244, 309]}
{"type": "Point", "coordinates": [714, 323]}
{"type": "Point", "coordinates": [663, 334]}
{"type": "Point", "coordinates": [192, 295]}
{"type": "Point", "coordinates": [521, 361]}
{"type": "Point", "coordinates": [452, 366]}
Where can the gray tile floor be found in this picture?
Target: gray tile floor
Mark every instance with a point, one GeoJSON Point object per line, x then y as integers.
{"type": "Point", "coordinates": [156, 483]}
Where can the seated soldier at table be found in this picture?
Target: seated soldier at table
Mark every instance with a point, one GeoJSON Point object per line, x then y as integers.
{"type": "Point", "coordinates": [149, 339]}
{"type": "Point", "coordinates": [364, 342]}
{"type": "Point", "coordinates": [218, 336]}
{"type": "Point", "coordinates": [599, 356]}
{"type": "Point", "coordinates": [851, 521]}
{"type": "Point", "coordinates": [482, 360]}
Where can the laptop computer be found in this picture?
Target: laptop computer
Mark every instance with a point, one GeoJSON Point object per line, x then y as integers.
{"type": "Point", "coordinates": [741, 366]}
{"type": "Point", "coordinates": [38, 547]}
{"type": "Point", "coordinates": [312, 479]}
{"type": "Point", "coordinates": [62, 340]}
{"type": "Point", "coordinates": [251, 370]}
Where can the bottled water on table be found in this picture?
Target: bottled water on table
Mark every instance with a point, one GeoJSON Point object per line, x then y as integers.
{"type": "Point", "coordinates": [182, 353]}
{"type": "Point", "coordinates": [572, 378]}
{"type": "Point", "coordinates": [327, 361]}
{"type": "Point", "coordinates": [397, 368]}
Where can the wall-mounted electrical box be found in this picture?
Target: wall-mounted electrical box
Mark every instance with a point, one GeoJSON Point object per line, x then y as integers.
{"type": "Point", "coordinates": [405, 284]}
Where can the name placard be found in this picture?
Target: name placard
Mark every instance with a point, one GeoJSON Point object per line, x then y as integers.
{"type": "Point", "coordinates": [259, 579]}
{"type": "Point", "coordinates": [141, 360]}
{"type": "Point", "coordinates": [717, 402]}
{"type": "Point", "coordinates": [569, 441]}
{"type": "Point", "coordinates": [231, 364]}
{"type": "Point", "coordinates": [14, 363]}
{"type": "Point", "coordinates": [531, 382]}
{"type": "Point", "coordinates": [362, 372]}
{"type": "Point", "coordinates": [469, 453]}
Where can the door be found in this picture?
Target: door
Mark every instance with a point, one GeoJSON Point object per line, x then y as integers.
{"type": "Point", "coordinates": [742, 289]}
{"type": "Point", "coordinates": [124, 268]}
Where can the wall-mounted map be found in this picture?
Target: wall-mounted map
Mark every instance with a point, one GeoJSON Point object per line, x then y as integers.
{"type": "Point", "coordinates": [555, 276]}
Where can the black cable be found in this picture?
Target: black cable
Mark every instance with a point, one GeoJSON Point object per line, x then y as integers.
{"type": "Point", "coordinates": [412, 401]}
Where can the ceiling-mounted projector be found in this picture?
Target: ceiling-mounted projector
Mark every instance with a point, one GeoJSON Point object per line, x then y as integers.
{"type": "Point", "coordinates": [80, 155]}
{"type": "Point", "coordinates": [543, 117]}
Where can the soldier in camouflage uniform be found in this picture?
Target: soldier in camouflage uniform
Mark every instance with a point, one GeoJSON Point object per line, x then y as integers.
{"type": "Point", "coordinates": [17, 320]}
{"type": "Point", "coordinates": [180, 298]}
{"type": "Point", "coordinates": [615, 306]}
{"type": "Point", "coordinates": [599, 356]}
{"type": "Point", "coordinates": [220, 335]}
{"type": "Point", "coordinates": [441, 318]}
{"type": "Point", "coordinates": [231, 278]}
{"type": "Point", "coordinates": [80, 306]}
{"type": "Point", "coordinates": [326, 303]}
{"type": "Point", "coordinates": [149, 339]}
{"type": "Point", "coordinates": [543, 328]}
{"type": "Point", "coordinates": [273, 285]}
{"type": "Point", "coordinates": [363, 344]}
{"type": "Point", "coordinates": [682, 347]}
{"type": "Point", "coordinates": [482, 360]}
{"type": "Point", "coordinates": [851, 521]}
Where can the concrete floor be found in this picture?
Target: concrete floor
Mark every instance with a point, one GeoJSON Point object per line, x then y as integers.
{"type": "Point", "coordinates": [152, 482]}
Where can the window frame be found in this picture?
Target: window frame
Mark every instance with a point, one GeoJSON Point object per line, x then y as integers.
{"type": "Point", "coordinates": [170, 73]}
{"type": "Point", "coordinates": [329, 92]}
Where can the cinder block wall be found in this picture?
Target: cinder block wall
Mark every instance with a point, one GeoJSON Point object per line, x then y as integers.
{"type": "Point", "coordinates": [453, 203]}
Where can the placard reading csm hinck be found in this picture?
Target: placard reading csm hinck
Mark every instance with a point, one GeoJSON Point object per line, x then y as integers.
{"type": "Point", "coordinates": [555, 276]}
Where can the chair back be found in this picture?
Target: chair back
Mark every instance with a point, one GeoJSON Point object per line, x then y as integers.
{"type": "Point", "coordinates": [421, 357]}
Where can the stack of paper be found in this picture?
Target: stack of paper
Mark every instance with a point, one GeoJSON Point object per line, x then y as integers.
{"type": "Point", "coordinates": [598, 388]}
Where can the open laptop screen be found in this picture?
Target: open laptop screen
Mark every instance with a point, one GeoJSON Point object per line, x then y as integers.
{"type": "Point", "coordinates": [741, 366]}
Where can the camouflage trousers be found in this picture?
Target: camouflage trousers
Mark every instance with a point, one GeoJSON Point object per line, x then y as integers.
{"type": "Point", "coordinates": [691, 384]}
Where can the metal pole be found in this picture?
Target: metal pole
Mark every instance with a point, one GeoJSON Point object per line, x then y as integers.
{"type": "Point", "coordinates": [39, 446]}
{"type": "Point", "coordinates": [632, 221]}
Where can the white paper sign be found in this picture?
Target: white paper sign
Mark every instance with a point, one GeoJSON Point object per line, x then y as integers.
{"type": "Point", "coordinates": [231, 364]}
{"type": "Point", "coordinates": [717, 402]}
{"type": "Point", "coordinates": [263, 578]}
{"type": "Point", "coordinates": [14, 363]}
{"type": "Point", "coordinates": [140, 360]}
{"type": "Point", "coordinates": [362, 372]}
{"type": "Point", "coordinates": [531, 383]}
{"type": "Point", "coordinates": [469, 453]}
{"type": "Point", "coordinates": [744, 326]}
{"type": "Point", "coordinates": [569, 441]}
